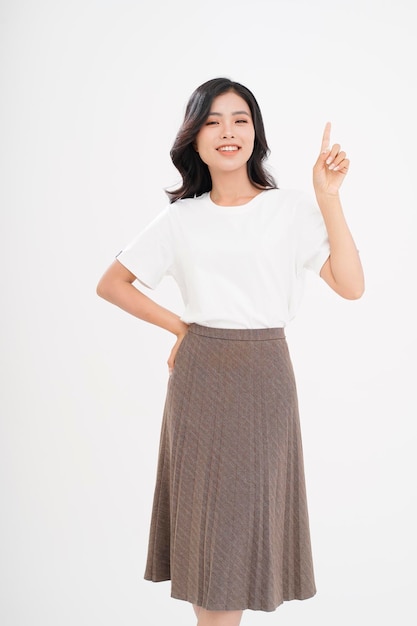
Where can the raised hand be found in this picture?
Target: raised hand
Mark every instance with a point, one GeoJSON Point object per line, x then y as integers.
{"type": "Point", "coordinates": [331, 166]}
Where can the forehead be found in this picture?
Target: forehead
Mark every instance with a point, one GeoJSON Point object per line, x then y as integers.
{"type": "Point", "coordinates": [228, 102]}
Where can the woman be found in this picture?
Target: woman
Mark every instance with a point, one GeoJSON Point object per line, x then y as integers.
{"type": "Point", "coordinates": [230, 522]}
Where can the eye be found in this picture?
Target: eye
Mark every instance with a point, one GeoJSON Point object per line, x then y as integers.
{"type": "Point", "coordinates": [211, 122]}
{"type": "Point", "coordinates": [243, 121]}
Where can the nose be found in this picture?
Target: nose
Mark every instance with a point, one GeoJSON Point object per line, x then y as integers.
{"type": "Point", "coordinates": [227, 132]}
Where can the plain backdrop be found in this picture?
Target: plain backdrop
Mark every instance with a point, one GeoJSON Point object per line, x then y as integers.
{"type": "Point", "coordinates": [91, 96]}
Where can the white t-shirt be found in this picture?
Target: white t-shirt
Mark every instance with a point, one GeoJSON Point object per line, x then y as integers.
{"type": "Point", "coordinates": [236, 267]}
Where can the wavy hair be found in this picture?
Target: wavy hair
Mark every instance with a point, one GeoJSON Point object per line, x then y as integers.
{"type": "Point", "coordinates": [195, 174]}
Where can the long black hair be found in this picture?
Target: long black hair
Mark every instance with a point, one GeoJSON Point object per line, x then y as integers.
{"type": "Point", "coordinates": [195, 174]}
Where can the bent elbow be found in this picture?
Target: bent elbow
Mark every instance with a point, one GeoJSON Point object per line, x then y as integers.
{"type": "Point", "coordinates": [354, 293]}
{"type": "Point", "coordinates": [102, 289]}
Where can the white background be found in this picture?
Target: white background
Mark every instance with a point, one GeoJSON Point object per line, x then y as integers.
{"type": "Point", "coordinates": [92, 94]}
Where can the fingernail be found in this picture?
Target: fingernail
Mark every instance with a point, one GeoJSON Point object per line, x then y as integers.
{"type": "Point", "coordinates": [331, 167]}
{"type": "Point", "coordinates": [329, 160]}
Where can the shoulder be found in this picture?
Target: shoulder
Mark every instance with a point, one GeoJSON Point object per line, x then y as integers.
{"type": "Point", "coordinates": [293, 196]}
{"type": "Point", "coordinates": [191, 202]}
{"type": "Point", "coordinates": [178, 207]}
{"type": "Point", "coordinates": [188, 209]}
{"type": "Point", "coordinates": [291, 201]}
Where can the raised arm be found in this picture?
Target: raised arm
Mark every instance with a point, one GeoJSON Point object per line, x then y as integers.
{"type": "Point", "coordinates": [343, 270]}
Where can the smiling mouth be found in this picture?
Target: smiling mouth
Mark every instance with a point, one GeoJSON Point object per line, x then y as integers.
{"type": "Point", "coordinates": [228, 148]}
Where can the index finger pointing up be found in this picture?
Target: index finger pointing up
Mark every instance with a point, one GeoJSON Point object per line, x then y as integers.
{"type": "Point", "coordinates": [325, 144]}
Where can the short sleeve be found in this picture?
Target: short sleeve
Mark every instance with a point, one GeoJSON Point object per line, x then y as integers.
{"type": "Point", "coordinates": [313, 247]}
{"type": "Point", "coordinates": [150, 255]}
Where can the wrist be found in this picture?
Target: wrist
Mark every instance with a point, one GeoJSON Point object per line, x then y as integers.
{"type": "Point", "coordinates": [328, 201]}
{"type": "Point", "coordinates": [327, 195]}
{"type": "Point", "coordinates": [181, 329]}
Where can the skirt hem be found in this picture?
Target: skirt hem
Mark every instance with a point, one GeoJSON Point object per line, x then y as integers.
{"type": "Point", "coordinates": [248, 606]}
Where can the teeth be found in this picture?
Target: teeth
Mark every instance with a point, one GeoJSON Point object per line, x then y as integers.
{"type": "Point", "coordinates": [228, 148]}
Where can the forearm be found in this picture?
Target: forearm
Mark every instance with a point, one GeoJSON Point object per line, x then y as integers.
{"type": "Point", "coordinates": [345, 264]}
{"type": "Point", "coordinates": [124, 295]}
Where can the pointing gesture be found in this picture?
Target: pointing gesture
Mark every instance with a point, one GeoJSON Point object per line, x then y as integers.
{"type": "Point", "coordinates": [331, 166]}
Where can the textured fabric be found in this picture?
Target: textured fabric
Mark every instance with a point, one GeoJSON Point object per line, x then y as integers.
{"type": "Point", "coordinates": [230, 524]}
{"type": "Point", "coordinates": [236, 266]}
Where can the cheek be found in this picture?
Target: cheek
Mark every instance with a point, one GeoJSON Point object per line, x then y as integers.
{"type": "Point", "coordinates": [251, 142]}
{"type": "Point", "coordinates": [200, 147]}
{"type": "Point", "coordinates": [204, 158]}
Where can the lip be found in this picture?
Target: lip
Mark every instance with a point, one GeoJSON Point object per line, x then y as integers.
{"type": "Point", "coordinates": [228, 145]}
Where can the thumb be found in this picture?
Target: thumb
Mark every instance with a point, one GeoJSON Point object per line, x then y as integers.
{"type": "Point", "coordinates": [321, 159]}
{"type": "Point", "coordinates": [324, 154]}
{"type": "Point", "coordinates": [170, 362]}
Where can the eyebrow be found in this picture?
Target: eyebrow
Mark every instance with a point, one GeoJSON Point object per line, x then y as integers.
{"type": "Point", "coordinates": [233, 113]}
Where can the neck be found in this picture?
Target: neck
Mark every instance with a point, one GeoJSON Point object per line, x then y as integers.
{"type": "Point", "coordinates": [229, 190]}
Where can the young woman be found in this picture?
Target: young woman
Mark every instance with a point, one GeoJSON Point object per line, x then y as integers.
{"type": "Point", "coordinates": [230, 523]}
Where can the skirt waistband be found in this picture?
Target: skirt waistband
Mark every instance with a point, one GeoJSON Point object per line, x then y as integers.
{"type": "Point", "coordinates": [238, 334]}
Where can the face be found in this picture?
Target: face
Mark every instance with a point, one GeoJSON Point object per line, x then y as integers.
{"type": "Point", "coordinates": [226, 139]}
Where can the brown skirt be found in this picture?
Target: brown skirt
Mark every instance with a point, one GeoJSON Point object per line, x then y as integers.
{"type": "Point", "coordinates": [230, 524]}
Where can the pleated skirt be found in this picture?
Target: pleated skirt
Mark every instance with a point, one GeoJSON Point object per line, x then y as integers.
{"type": "Point", "coordinates": [230, 524]}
